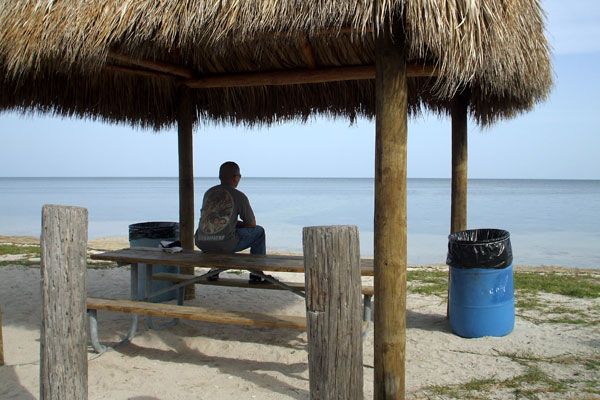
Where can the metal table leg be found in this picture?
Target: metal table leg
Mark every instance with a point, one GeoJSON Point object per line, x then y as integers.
{"type": "Point", "coordinates": [93, 315]}
{"type": "Point", "coordinates": [147, 290]}
{"type": "Point", "coordinates": [94, 332]}
{"type": "Point", "coordinates": [367, 307]}
{"type": "Point", "coordinates": [134, 296]}
{"type": "Point", "coordinates": [367, 313]}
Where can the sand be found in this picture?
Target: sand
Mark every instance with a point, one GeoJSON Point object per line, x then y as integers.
{"type": "Point", "coordinates": [196, 360]}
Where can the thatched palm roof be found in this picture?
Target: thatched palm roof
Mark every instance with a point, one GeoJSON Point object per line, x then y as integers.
{"type": "Point", "coordinates": [94, 58]}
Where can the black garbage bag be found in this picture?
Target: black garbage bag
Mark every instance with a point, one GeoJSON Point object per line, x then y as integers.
{"type": "Point", "coordinates": [479, 248]}
{"type": "Point", "coordinates": [153, 230]}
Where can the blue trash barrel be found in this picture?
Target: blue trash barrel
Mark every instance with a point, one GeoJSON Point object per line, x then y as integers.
{"type": "Point", "coordinates": [150, 234]}
{"type": "Point", "coordinates": [481, 289]}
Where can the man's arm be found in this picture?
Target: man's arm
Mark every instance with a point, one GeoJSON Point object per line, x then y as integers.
{"type": "Point", "coordinates": [246, 214]}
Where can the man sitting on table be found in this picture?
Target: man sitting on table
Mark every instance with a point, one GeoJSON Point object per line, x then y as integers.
{"type": "Point", "coordinates": [219, 229]}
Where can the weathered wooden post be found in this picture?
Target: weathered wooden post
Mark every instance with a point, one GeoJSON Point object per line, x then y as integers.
{"type": "Point", "coordinates": [185, 123]}
{"type": "Point", "coordinates": [390, 259]}
{"type": "Point", "coordinates": [458, 213]}
{"type": "Point", "coordinates": [63, 341]}
{"type": "Point", "coordinates": [1, 342]}
{"type": "Point", "coordinates": [459, 163]}
{"type": "Point", "coordinates": [333, 309]}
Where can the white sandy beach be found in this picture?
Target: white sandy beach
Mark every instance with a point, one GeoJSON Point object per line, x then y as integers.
{"type": "Point", "coordinates": [203, 361]}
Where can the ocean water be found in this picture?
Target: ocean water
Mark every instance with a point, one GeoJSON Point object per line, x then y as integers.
{"type": "Point", "coordinates": [552, 222]}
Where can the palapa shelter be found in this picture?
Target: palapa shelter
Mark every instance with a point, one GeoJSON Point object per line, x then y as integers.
{"type": "Point", "coordinates": [255, 62]}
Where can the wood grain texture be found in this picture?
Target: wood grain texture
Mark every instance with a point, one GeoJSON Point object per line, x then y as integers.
{"type": "Point", "coordinates": [152, 65]}
{"type": "Point", "coordinates": [186, 178]}
{"type": "Point", "coordinates": [308, 52]}
{"type": "Point", "coordinates": [334, 310]}
{"type": "Point", "coordinates": [241, 283]}
{"type": "Point", "coordinates": [273, 263]}
{"type": "Point", "coordinates": [390, 219]}
{"type": "Point", "coordinates": [1, 341]}
{"type": "Point", "coordinates": [63, 336]}
{"type": "Point", "coordinates": [299, 76]}
{"type": "Point", "coordinates": [198, 314]}
{"type": "Point", "coordinates": [458, 219]}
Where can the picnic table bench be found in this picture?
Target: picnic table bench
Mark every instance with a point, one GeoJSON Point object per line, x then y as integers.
{"type": "Point", "coordinates": [141, 293]}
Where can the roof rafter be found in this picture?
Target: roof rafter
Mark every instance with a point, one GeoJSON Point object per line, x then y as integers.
{"type": "Point", "coordinates": [262, 78]}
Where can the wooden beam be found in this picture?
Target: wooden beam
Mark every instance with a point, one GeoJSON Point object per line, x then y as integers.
{"type": "Point", "coordinates": [63, 333]}
{"type": "Point", "coordinates": [285, 77]}
{"type": "Point", "coordinates": [253, 262]}
{"type": "Point", "coordinates": [157, 66]}
{"type": "Point", "coordinates": [299, 77]}
{"type": "Point", "coordinates": [280, 77]}
{"type": "Point", "coordinates": [309, 53]}
{"type": "Point", "coordinates": [390, 218]}
{"type": "Point", "coordinates": [333, 312]}
{"type": "Point", "coordinates": [137, 71]}
{"type": "Point", "coordinates": [185, 120]}
{"type": "Point", "coordinates": [195, 313]}
{"type": "Point", "coordinates": [458, 219]}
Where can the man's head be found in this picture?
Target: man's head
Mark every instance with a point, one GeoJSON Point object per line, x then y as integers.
{"type": "Point", "coordinates": [229, 173]}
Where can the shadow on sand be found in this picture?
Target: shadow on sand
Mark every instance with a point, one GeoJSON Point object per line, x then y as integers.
{"type": "Point", "coordinates": [10, 386]}
{"type": "Point", "coordinates": [245, 369]}
{"type": "Point", "coordinates": [427, 322]}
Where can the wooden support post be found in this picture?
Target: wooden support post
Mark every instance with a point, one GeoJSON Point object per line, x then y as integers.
{"type": "Point", "coordinates": [333, 310]}
{"type": "Point", "coordinates": [1, 342]}
{"type": "Point", "coordinates": [185, 124]}
{"type": "Point", "coordinates": [390, 218]}
{"type": "Point", "coordinates": [63, 336]}
{"type": "Point", "coordinates": [458, 221]}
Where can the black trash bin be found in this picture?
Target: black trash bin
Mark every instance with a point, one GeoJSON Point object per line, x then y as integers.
{"type": "Point", "coordinates": [481, 289]}
{"type": "Point", "coordinates": [150, 234]}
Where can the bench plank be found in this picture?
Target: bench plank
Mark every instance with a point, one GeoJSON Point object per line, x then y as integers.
{"type": "Point", "coordinates": [270, 262]}
{"type": "Point", "coordinates": [198, 314]}
{"type": "Point", "coordinates": [241, 283]}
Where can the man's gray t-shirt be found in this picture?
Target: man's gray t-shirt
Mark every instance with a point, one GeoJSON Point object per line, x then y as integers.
{"type": "Point", "coordinates": [221, 206]}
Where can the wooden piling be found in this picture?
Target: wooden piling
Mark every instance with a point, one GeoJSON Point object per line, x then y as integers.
{"type": "Point", "coordinates": [333, 309]}
{"type": "Point", "coordinates": [459, 163]}
{"type": "Point", "coordinates": [1, 341]}
{"type": "Point", "coordinates": [390, 217]}
{"type": "Point", "coordinates": [185, 122]}
{"type": "Point", "coordinates": [63, 336]}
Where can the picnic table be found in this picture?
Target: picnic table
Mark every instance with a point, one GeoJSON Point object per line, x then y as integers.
{"type": "Point", "coordinates": [141, 293]}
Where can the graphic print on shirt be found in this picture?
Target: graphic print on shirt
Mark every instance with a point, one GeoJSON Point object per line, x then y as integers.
{"type": "Point", "coordinates": [217, 211]}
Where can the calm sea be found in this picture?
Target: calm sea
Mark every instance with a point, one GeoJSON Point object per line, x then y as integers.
{"type": "Point", "coordinates": [552, 222]}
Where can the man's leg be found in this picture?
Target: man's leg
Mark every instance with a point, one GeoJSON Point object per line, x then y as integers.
{"type": "Point", "coordinates": [256, 240]}
{"type": "Point", "coordinates": [253, 238]}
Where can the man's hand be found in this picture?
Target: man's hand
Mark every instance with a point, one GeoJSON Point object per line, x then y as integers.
{"type": "Point", "coordinates": [244, 224]}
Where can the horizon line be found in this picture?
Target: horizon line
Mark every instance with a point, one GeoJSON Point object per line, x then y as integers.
{"type": "Point", "coordinates": [284, 177]}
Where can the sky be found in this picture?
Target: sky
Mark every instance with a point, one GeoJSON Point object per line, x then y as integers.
{"type": "Point", "coordinates": [559, 139]}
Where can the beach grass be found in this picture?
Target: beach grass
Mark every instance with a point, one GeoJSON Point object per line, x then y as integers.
{"type": "Point", "coordinates": [17, 249]}
{"type": "Point", "coordinates": [527, 283]}
{"type": "Point", "coordinates": [575, 284]}
{"type": "Point", "coordinates": [531, 383]}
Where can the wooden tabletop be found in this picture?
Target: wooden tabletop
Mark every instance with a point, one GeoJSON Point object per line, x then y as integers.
{"type": "Point", "coordinates": [273, 263]}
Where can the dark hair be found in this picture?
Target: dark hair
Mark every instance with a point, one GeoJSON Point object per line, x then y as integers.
{"type": "Point", "coordinates": [228, 170]}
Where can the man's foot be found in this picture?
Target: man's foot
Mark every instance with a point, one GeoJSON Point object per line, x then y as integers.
{"type": "Point", "coordinates": [256, 279]}
{"type": "Point", "coordinates": [213, 278]}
